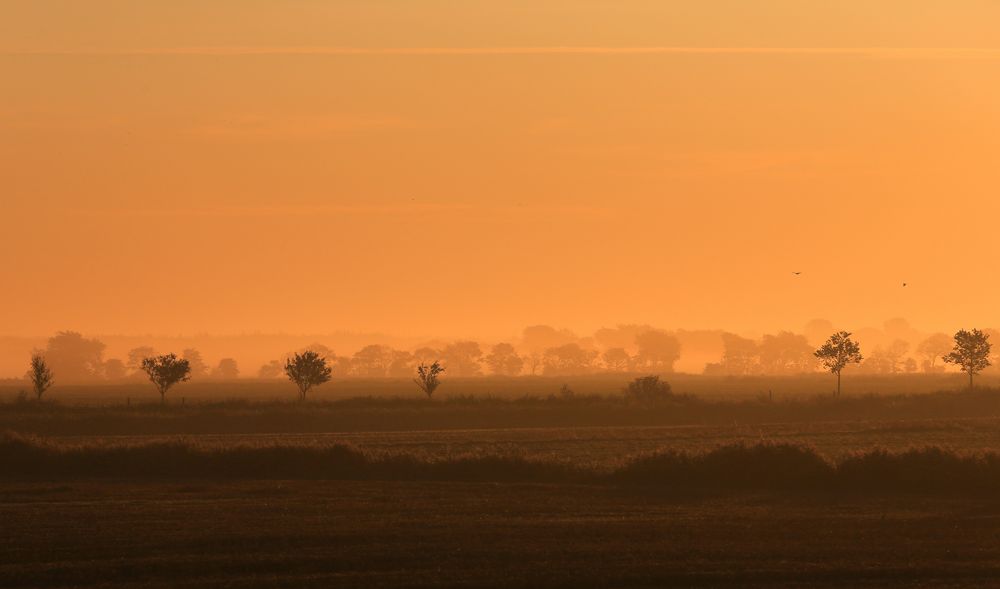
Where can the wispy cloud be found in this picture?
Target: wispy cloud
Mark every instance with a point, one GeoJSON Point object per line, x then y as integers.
{"type": "Point", "coordinates": [294, 127]}
{"type": "Point", "coordinates": [376, 210]}
{"type": "Point", "coordinates": [878, 52]}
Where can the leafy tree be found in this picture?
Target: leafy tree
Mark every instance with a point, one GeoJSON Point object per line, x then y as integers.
{"type": "Point", "coordinates": [739, 356]}
{"type": "Point", "coordinates": [786, 353]}
{"type": "Point", "coordinates": [504, 360]}
{"type": "Point", "coordinates": [227, 369]}
{"type": "Point", "coordinates": [41, 375]}
{"type": "Point", "coordinates": [307, 370]}
{"type": "Point", "coordinates": [427, 378]}
{"type": "Point", "coordinates": [622, 336]}
{"type": "Point", "coordinates": [839, 351]}
{"type": "Point", "coordinates": [426, 355]}
{"type": "Point", "coordinates": [165, 371]}
{"type": "Point", "coordinates": [197, 363]}
{"type": "Point", "coordinates": [401, 364]}
{"type": "Point", "coordinates": [136, 356]}
{"type": "Point", "coordinates": [648, 388]}
{"type": "Point", "coordinates": [462, 358]}
{"type": "Point", "coordinates": [373, 360]}
{"type": "Point", "coordinates": [74, 357]}
{"type": "Point", "coordinates": [932, 349]}
{"type": "Point", "coordinates": [114, 369]}
{"type": "Point", "coordinates": [538, 338]}
{"type": "Point", "coordinates": [658, 350]}
{"type": "Point", "coordinates": [616, 359]}
{"type": "Point", "coordinates": [270, 370]}
{"type": "Point", "coordinates": [568, 359]}
{"type": "Point", "coordinates": [971, 352]}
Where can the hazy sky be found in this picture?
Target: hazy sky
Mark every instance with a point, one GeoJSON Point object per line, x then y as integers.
{"type": "Point", "coordinates": [468, 168]}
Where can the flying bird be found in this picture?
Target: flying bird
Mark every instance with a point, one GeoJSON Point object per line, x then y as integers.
{"type": "Point", "coordinates": [796, 273]}
{"type": "Point", "coordinates": [904, 284]}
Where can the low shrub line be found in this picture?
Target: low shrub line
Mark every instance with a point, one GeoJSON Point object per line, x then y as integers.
{"type": "Point", "coordinates": [762, 466]}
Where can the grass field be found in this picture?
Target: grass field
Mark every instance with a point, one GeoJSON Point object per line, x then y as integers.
{"type": "Point", "coordinates": [605, 447]}
{"type": "Point", "coordinates": [223, 493]}
{"type": "Point", "coordinates": [707, 387]}
{"type": "Point", "coordinates": [363, 534]}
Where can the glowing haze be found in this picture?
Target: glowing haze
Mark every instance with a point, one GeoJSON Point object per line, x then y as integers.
{"type": "Point", "coordinates": [468, 168]}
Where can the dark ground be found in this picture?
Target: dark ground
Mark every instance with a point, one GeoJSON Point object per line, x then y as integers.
{"type": "Point", "coordinates": [376, 534]}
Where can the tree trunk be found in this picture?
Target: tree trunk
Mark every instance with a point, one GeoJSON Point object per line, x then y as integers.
{"type": "Point", "coordinates": [970, 380]}
{"type": "Point", "coordinates": [163, 397]}
{"type": "Point", "coordinates": [838, 383]}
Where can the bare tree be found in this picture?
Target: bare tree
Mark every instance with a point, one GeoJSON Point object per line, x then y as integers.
{"type": "Point", "coordinates": [839, 351]}
{"type": "Point", "coordinates": [307, 370]}
{"type": "Point", "coordinates": [971, 352]}
{"type": "Point", "coordinates": [165, 371]}
{"type": "Point", "coordinates": [41, 375]}
{"type": "Point", "coordinates": [427, 378]}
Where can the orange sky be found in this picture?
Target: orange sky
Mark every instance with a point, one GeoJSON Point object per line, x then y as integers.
{"type": "Point", "coordinates": [468, 168]}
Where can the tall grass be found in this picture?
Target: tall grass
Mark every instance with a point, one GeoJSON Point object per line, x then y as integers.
{"type": "Point", "coordinates": [464, 412]}
{"type": "Point", "coordinates": [739, 467]}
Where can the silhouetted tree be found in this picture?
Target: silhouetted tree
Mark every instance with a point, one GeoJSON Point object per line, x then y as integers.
{"type": "Point", "coordinates": [165, 371]}
{"type": "Point", "coordinates": [504, 360]}
{"type": "Point", "coordinates": [648, 388]}
{"type": "Point", "coordinates": [114, 369]}
{"type": "Point", "coordinates": [344, 365]}
{"type": "Point", "coordinates": [136, 356]}
{"type": "Point", "coordinates": [270, 370]}
{"type": "Point", "coordinates": [932, 349]}
{"type": "Point", "coordinates": [786, 353]}
{"type": "Point", "coordinates": [74, 357]}
{"type": "Point", "coordinates": [538, 338]}
{"type": "Point", "coordinates": [198, 366]}
{"type": "Point", "coordinates": [658, 350]}
{"type": "Point", "coordinates": [227, 369]}
{"type": "Point", "coordinates": [971, 352]}
{"type": "Point", "coordinates": [373, 360]}
{"type": "Point", "coordinates": [462, 358]}
{"type": "Point", "coordinates": [839, 351]}
{"type": "Point", "coordinates": [616, 359]}
{"type": "Point", "coordinates": [428, 378]}
{"type": "Point", "coordinates": [307, 370]}
{"type": "Point", "coordinates": [622, 336]}
{"type": "Point", "coordinates": [534, 361]}
{"type": "Point", "coordinates": [426, 355]}
{"type": "Point", "coordinates": [568, 359]}
{"type": "Point", "coordinates": [41, 375]}
{"type": "Point", "coordinates": [401, 364]}
{"type": "Point", "coordinates": [739, 355]}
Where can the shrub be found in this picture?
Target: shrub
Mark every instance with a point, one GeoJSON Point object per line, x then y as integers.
{"type": "Point", "coordinates": [648, 388]}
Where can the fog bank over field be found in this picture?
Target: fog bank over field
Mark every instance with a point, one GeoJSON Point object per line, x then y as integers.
{"type": "Point", "coordinates": [895, 346]}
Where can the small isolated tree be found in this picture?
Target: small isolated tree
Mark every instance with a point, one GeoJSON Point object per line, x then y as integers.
{"type": "Point", "coordinates": [971, 352]}
{"type": "Point", "coordinates": [41, 375]}
{"type": "Point", "coordinates": [427, 378]}
{"type": "Point", "coordinates": [307, 370]}
{"type": "Point", "coordinates": [165, 371]}
{"type": "Point", "coordinates": [839, 351]}
{"type": "Point", "coordinates": [648, 388]}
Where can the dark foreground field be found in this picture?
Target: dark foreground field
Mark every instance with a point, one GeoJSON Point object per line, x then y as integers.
{"type": "Point", "coordinates": [382, 534]}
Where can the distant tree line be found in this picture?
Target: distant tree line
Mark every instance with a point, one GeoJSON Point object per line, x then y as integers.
{"type": "Point", "coordinates": [971, 352]}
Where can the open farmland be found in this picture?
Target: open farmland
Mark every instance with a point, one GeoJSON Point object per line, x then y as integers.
{"type": "Point", "coordinates": [605, 447]}
{"type": "Point", "coordinates": [364, 534]}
